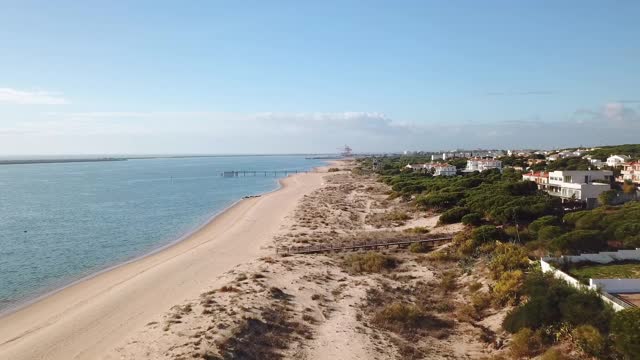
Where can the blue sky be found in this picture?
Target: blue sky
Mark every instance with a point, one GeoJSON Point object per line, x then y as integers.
{"type": "Point", "coordinates": [298, 76]}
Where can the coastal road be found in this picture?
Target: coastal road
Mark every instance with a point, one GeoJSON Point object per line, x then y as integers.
{"type": "Point", "coordinates": [90, 319]}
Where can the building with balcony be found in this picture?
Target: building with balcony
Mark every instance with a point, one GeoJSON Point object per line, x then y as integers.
{"type": "Point", "coordinates": [630, 172]}
{"type": "Point", "coordinates": [479, 164]}
{"type": "Point", "coordinates": [540, 178]}
{"type": "Point", "coordinates": [443, 169]}
{"type": "Point", "coordinates": [584, 185]}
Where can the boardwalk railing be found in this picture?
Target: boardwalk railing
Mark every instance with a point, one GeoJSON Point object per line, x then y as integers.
{"type": "Point", "coordinates": [369, 245]}
{"type": "Point", "coordinates": [237, 173]}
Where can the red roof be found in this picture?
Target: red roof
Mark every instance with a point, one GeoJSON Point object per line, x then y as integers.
{"type": "Point", "coordinates": [538, 174]}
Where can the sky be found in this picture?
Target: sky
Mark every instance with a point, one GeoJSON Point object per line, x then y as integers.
{"type": "Point", "coordinates": [219, 77]}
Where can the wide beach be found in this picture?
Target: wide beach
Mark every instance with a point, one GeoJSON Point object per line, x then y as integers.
{"type": "Point", "coordinates": [90, 319]}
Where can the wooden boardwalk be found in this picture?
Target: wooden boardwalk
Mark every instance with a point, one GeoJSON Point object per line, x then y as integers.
{"type": "Point", "coordinates": [371, 245]}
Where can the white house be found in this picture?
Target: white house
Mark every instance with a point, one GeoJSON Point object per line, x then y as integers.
{"type": "Point", "coordinates": [477, 164]}
{"type": "Point", "coordinates": [579, 184]}
{"type": "Point", "coordinates": [442, 169]}
{"type": "Point", "coordinates": [617, 160]}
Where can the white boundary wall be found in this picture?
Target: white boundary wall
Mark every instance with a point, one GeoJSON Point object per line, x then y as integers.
{"type": "Point", "coordinates": [603, 257]}
{"type": "Point", "coordinates": [616, 285]}
{"type": "Point", "coordinates": [606, 297]}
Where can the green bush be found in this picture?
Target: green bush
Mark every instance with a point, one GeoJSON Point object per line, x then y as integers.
{"type": "Point", "coordinates": [552, 302]}
{"type": "Point", "coordinates": [548, 220]}
{"type": "Point", "coordinates": [625, 328]}
{"type": "Point", "coordinates": [453, 215]}
{"type": "Point", "coordinates": [485, 234]}
{"type": "Point", "coordinates": [333, 169]}
{"type": "Point", "coordinates": [473, 219]}
{"type": "Point", "coordinates": [586, 308]}
{"type": "Point", "coordinates": [589, 340]}
{"type": "Point", "coordinates": [579, 241]}
{"type": "Point", "coordinates": [439, 200]}
{"type": "Point", "coordinates": [549, 233]}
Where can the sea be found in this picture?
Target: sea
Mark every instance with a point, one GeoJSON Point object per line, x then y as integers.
{"type": "Point", "coordinates": [61, 222]}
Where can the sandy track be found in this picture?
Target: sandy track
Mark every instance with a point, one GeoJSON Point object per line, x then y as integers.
{"type": "Point", "coordinates": [90, 319]}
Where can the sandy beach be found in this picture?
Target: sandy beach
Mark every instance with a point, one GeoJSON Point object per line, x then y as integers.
{"type": "Point", "coordinates": [88, 320]}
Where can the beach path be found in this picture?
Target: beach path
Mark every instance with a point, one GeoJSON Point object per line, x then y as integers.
{"type": "Point", "coordinates": [90, 319]}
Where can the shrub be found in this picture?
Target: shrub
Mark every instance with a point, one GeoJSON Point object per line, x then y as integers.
{"type": "Point", "coordinates": [553, 354]}
{"type": "Point", "coordinates": [418, 248]}
{"type": "Point", "coordinates": [370, 262]}
{"type": "Point", "coordinates": [525, 343]}
{"type": "Point", "coordinates": [508, 257]}
{"type": "Point", "coordinates": [333, 169]}
{"type": "Point", "coordinates": [507, 288]}
{"type": "Point", "coordinates": [485, 234]}
{"type": "Point", "coordinates": [473, 219]}
{"type": "Point", "coordinates": [538, 224]}
{"type": "Point", "coordinates": [448, 282]}
{"type": "Point", "coordinates": [625, 328]}
{"type": "Point", "coordinates": [607, 197]}
{"type": "Point", "coordinates": [589, 340]}
{"type": "Point", "coordinates": [453, 215]}
{"type": "Point", "coordinates": [548, 233]}
{"type": "Point", "coordinates": [439, 200]}
{"type": "Point", "coordinates": [579, 241]}
{"type": "Point", "coordinates": [586, 308]}
{"type": "Point", "coordinates": [403, 318]}
{"type": "Point", "coordinates": [417, 230]}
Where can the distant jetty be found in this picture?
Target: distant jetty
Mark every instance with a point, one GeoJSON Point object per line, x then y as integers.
{"type": "Point", "coordinates": [55, 161]}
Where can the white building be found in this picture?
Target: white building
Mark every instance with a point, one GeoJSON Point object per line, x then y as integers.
{"type": "Point", "coordinates": [579, 184]}
{"type": "Point", "coordinates": [441, 169]}
{"type": "Point", "coordinates": [477, 164]}
{"type": "Point", "coordinates": [617, 160]}
{"type": "Point", "coordinates": [436, 157]}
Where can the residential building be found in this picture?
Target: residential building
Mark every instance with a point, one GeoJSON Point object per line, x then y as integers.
{"type": "Point", "coordinates": [435, 157]}
{"type": "Point", "coordinates": [585, 185]}
{"type": "Point", "coordinates": [540, 178]}
{"type": "Point", "coordinates": [478, 164]}
{"type": "Point", "coordinates": [415, 167]}
{"type": "Point", "coordinates": [631, 172]}
{"type": "Point", "coordinates": [617, 160]}
{"type": "Point", "coordinates": [441, 169]}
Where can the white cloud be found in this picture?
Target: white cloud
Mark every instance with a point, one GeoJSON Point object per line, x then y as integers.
{"type": "Point", "coordinates": [273, 132]}
{"type": "Point", "coordinates": [20, 97]}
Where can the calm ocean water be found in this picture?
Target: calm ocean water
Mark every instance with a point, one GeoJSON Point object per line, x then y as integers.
{"type": "Point", "coordinates": [61, 222]}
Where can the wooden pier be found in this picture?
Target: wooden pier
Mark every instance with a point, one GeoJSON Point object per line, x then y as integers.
{"type": "Point", "coordinates": [260, 173]}
{"type": "Point", "coordinates": [371, 245]}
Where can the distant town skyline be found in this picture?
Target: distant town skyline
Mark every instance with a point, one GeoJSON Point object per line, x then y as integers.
{"type": "Point", "coordinates": [295, 77]}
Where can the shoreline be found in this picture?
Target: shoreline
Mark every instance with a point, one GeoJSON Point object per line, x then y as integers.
{"type": "Point", "coordinates": [26, 323]}
{"type": "Point", "coordinates": [56, 289]}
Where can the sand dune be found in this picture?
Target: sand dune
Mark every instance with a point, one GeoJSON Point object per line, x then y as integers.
{"type": "Point", "coordinates": [91, 318]}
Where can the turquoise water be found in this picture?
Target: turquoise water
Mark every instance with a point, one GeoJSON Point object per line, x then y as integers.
{"type": "Point", "coordinates": [61, 222]}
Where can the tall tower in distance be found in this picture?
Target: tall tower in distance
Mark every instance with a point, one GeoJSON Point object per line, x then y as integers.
{"type": "Point", "coordinates": [346, 151]}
